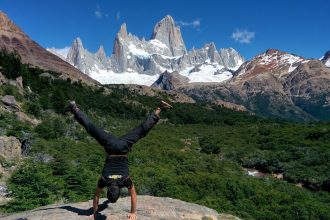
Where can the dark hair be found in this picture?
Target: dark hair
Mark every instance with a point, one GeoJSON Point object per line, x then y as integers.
{"type": "Point", "coordinates": [113, 193]}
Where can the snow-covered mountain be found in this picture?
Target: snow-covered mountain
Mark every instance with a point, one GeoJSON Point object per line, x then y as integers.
{"type": "Point", "coordinates": [140, 61]}
{"type": "Point", "coordinates": [276, 62]}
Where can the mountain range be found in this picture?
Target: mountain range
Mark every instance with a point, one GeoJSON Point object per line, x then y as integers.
{"type": "Point", "coordinates": [272, 84]}
{"type": "Point", "coordinates": [141, 61]}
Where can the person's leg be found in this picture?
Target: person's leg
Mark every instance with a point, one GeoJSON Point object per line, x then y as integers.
{"type": "Point", "coordinates": [99, 134]}
{"type": "Point", "coordinates": [140, 131]}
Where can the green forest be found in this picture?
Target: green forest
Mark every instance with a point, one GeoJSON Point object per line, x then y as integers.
{"type": "Point", "coordinates": [196, 154]}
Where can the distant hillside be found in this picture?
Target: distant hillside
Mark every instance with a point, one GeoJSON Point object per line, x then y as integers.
{"type": "Point", "coordinates": [14, 39]}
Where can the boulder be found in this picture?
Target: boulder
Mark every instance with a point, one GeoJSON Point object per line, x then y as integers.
{"type": "Point", "coordinates": [148, 208]}
{"type": "Point", "coordinates": [3, 79]}
{"type": "Point", "coordinates": [10, 102]}
{"type": "Point", "coordinates": [25, 118]}
{"type": "Point", "coordinates": [10, 148]}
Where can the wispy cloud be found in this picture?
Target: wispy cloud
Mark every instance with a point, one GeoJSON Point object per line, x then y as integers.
{"type": "Point", "coordinates": [97, 12]}
{"type": "Point", "coordinates": [100, 13]}
{"type": "Point", "coordinates": [118, 15]}
{"type": "Point", "coordinates": [195, 23]}
{"type": "Point", "coordinates": [243, 36]}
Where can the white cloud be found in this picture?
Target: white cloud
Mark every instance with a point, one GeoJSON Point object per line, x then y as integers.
{"type": "Point", "coordinates": [97, 12]}
{"type": "Point", "coordinates": [243, 36]}
{"type": "Point", "coordinates": [118, 15]}
{"type": "Point", "coordinates": [195, 23]}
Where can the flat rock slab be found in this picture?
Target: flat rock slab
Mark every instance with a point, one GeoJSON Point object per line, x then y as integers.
{"type": "Point", "coordinates": [149, 208]}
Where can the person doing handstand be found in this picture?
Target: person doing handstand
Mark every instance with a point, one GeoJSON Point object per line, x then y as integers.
{"type": "Point", "coordinates": [115, 174]}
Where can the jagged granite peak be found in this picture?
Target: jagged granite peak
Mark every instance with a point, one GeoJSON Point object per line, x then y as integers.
{"type": "Point", "coordinates": [119, 57]}
{"type": "Point", "coordinates": [7, 25]}
{"type": "Point", "coordinates": [123, 31]}
{"type": "Point", "coordinates": [230, 58]}
{"type": "Point", "coordinates": [326, 58]}
{"type": "Point", "coordinates": [78, 43]}
{"type": "Point", "coordinates": [101, 56]}
{"type": "Point", "coordinates": [75, 52]}
{"type": "Point", "coordinates": [226, 57]}
{"type": "Point", "coordinates": [168, 33]}
{"type": "Point", "coordinates": [212, 52]}
{"type": "Point", "coordinates": [82, 59]}
{"type": "Point", "coordinates": [101, 51]}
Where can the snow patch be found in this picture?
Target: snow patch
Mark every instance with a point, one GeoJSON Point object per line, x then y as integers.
{"type": "Point", "coordinates": [157, 43]}
{"type": "Point", "coordinates": [138, 52]}
{"type": "Point", "coordinates": [129, 77]}
{"type": "Point", "coordinates": [62, 52]}
{"type": "Point", "coordinates": [327, 63]}
{"type": "Point", "coordinates": [207, 73]}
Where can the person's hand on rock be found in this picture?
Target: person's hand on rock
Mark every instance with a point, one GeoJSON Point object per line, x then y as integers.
{"type": "Point", "coordinates": [92, 216]}
{"type": "Point", "coordinates": [132, 216]}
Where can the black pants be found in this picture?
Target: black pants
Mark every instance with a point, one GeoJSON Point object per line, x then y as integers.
{"type": "Point", "coordinates": [112, 144]}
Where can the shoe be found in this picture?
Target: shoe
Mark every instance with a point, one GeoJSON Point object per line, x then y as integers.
{"type": "Point", "coordinates": [71, 107]}
{"type": "Point", "coordinates": [164, 105]}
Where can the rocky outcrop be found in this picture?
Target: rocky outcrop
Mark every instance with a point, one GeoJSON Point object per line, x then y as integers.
{"type": "Point", "coordinates": [10, 153]}
{"type": "Point", "coordinates": [14, 39]}
{"type": "Point", "coordinates": [309, 88]}
{"type": "Point", "coordinates": [3, 79]}
{"type": "Point", "coordinates": [230, 105]}
{"type": "Point", "coordinates": [18, 82]}
{"type": "Point", "coordinates": [173, 96]}
{"type": "Point", "coordinates": [170, 81]}
{"type": "Point", "coordinates": [149, 208]}
{"type": "Point", "coordinates": [25, 118]}
{"type": "Point", "coordinates": [10, 148]}
{"type": "Point", "coordinates": [10, 102]}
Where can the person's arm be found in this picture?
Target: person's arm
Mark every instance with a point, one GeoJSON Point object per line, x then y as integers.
{"type": "Point", "coordinates": [132, 214]}
{"type": "Point", "coordinates": [96, 201]}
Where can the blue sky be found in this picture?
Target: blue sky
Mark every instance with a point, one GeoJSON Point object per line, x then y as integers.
{"type": "Point", "coordinates": [249, 26]}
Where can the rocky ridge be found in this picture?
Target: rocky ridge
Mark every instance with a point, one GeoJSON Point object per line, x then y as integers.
{"type": "Point", "coordinates": [274, 83]}
{"type": "Point", "coordinates": [149, 208]}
